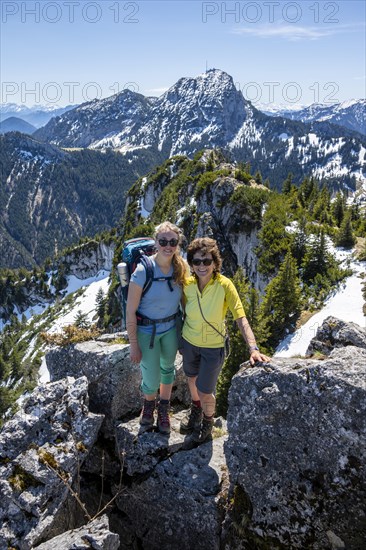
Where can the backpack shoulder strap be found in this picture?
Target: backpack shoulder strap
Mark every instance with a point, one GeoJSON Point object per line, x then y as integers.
{"type": "Point", "coordinates": [149, 268]}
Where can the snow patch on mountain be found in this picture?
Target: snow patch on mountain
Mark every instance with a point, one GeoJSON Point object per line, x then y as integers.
{"type": "Point", "coordinates": [85, 302]}
{"type": "Point", "coordinates": [345, 303]}
{"type": "Point", "coordinates": [350, 114]}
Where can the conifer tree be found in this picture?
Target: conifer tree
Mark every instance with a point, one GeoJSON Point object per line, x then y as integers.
{"type": "Point", "coordinates": [238, 348]}
{"type": "Point", "coordinates": [258, 177]}
{"type": "Point", "coordinates": [210, 163]}
{"type": "Point", "coordinates": [322, 206]}
{"type": "Point", "coordinates": [338, 208]}
{"type": "Point", "coordinates": [274, 239]}
{"type": "Point", "coordinates": [6, 399]}
{"type": "Point", "coordinates": [100, 303]}
{"type": "Point", "coordinates": [362, 257]}
{"type": "Point", "coordinates": [317, 258]}
{"type": "Point", "coordinates": [298, 246]}
{"type": "Point", "coordinates": [3, 369]}
{"type": "Point", "coordinates": [81, 320]}
{"type": "Point", "coordinates": [287, 184]}
{"type": "Point", "coordinates": [16, 365]}
{"type": "Point", "coordinates": [345, 236]}
{"type": "Point", "coordinates": [282, 301]}
{"type": "Point", "coordinates": [305, 190]}
{"type": "Point", "coordinates": [314, 194]}
{"type": "Point", "coordinates": [257, 320]}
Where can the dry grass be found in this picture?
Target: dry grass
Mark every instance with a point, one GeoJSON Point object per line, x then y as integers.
{"type": "Point", "coordinates": [360, 245]}
{"type": "Point", "coordinates": [71, 335]}
{"type": "Point", "coordinates": [304, 317]}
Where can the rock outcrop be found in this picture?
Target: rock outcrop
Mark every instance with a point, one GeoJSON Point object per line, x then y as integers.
{"type": "Point", "coordinates": [296, 453]}
{"type": "Point", "coordinates": [334, 333]}
{"type": "Point", "coordinates": [94, 535]}
{"type": "Point", "coordinates": [114, 382]}
{"type": "Point", "coordinates": [41, 450]}
{"type": "Point", "coordinates": [286, 472]}
{"type": "Point", "coordinates": [220, 206]}
{"type": "Point", "coordinates": [179, 504]}
{"type": "Point", "coordinates": [88, 259]}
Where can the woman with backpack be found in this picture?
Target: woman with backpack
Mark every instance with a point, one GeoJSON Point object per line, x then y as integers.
{"type": "Point", "coordinates": [151, 323]}
{"type": "Point", "coordinates": [207, 297]}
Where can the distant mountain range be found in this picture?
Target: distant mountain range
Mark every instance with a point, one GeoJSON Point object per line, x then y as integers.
{"type": "Point", "coordinates": [208, 111]}
{"type": "Point", "coordinates": [349, 114]}
{"type": "Point", "coordinates": [15, 124]}
{"type": "Point", "coordinates": [37, 116]}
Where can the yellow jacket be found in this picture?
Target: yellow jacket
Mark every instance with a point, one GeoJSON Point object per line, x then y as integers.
{"type": "Point", "coordinates": [217, 296]}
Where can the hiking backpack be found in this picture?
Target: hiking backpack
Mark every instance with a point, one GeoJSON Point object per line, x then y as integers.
{"type": "Point", "coordinates": [135, 251]}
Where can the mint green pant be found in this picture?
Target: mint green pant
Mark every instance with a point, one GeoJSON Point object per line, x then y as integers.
{"type": "Point", "coordinates": [157, 364]}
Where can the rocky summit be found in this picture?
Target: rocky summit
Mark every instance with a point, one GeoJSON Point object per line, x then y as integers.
{"type": "Point", "coordinates": [287, 470]}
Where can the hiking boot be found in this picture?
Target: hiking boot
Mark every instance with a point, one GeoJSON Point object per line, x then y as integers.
{"type": "Point", "coordinates": [204, 432]}
{"type": "Point", "coordinates": [192, 419]}
{"type": "Point", "coordinates": [163, 418]}
{"type": "Point", "coordinates": [147, 413]}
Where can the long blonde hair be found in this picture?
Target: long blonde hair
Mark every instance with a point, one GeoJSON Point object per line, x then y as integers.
{"type": "Point", "coordinates": [179, 265]}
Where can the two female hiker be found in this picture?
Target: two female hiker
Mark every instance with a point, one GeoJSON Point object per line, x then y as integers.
{"type": "Point", "coordinates": [206, 296]}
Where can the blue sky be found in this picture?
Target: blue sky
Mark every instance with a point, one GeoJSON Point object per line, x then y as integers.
{"type": "Point", "coordinates": [61, 52]}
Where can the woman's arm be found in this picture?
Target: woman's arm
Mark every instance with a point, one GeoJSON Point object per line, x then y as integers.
{"type": "Point", "coordinates": [133, 302]}
{"type": "Point", "coordinates": [249, 338]}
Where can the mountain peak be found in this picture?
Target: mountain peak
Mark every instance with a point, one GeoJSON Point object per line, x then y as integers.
{"type": "Point", "coordinates": [213, 81]}
{"type": "Point", "coordinates": [215, 75]}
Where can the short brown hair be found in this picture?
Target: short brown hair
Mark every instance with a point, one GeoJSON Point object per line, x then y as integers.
{"type": "Point", "coordinates": [205, 245]}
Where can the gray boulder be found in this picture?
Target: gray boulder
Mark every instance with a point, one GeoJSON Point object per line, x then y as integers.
{"type": "Point", "coordinates": [180, 504]}
{"type": "Point", "coordinates": [296, 454]}
{"type": "Point", "coordinates": [114, 382]}
{"type": "Point", "coordinates": [334, 333]}
{"type": "Point", "coordinates": [142, 451]}
{"type": "Point", "coordinates": [48, 439]}
{"type": "Point", "coordinates": [95, 534]}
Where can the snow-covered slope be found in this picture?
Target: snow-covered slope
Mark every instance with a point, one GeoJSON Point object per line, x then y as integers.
{"type": "Point", "coordinates": [85, 303]}
{"type": "Point", "coordinates": [346, 304]}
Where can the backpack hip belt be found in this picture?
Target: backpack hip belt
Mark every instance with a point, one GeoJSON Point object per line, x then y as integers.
{"type": "Point", "coordinates": [145, 321]}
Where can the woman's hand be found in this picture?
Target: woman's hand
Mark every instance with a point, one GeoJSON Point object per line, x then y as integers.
{"type": "Point", "coordinates": [135, 353]}
{"type": "Point", "coordinates": [257, 356]}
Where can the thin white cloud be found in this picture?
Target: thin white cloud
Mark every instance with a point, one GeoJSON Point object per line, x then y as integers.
{"type": "Point", "coordinates": [294, 32]}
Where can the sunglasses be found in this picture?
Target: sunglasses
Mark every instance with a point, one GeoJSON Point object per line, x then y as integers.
{"type": "Point", "coordinates": [205, 261]}
{"type": "Point", "coordinates": [165, 242]}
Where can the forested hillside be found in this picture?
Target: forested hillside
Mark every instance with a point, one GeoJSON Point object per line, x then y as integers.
{"type": "Point", "coordinates": [50, 198]}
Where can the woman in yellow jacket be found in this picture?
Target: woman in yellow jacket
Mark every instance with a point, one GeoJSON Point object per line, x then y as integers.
{"type": "Point", "coordinates": [207, 297]}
